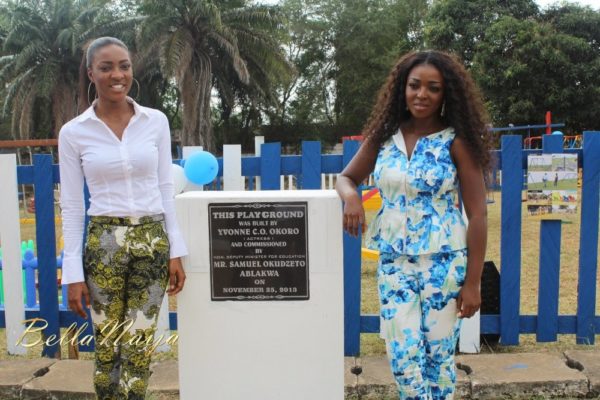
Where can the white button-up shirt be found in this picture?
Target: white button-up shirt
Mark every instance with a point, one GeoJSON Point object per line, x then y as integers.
{"type": "Point", "coordinates": [131, 177]}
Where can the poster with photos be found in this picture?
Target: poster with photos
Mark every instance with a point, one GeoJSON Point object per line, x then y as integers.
{"type": "Point", "coordinates": [552, 184]}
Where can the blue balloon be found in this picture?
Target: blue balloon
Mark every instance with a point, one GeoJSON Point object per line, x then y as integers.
{"type": "Point", "coordinates": [201, 168]}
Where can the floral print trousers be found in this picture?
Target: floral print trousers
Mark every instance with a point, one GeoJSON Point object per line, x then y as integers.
{"type": "Point", "coordinates": [126, 271]}
{"type": "Point", "coordinates": [419, 320]}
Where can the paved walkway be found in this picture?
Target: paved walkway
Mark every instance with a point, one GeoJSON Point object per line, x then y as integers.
{"type": "Point", "coordinates": [574, 374]}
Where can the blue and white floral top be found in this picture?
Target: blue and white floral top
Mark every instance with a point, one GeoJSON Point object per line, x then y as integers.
{"type": "Point", "coordinates": [418, 214]}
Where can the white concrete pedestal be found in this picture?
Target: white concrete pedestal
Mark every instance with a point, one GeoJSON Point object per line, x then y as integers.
{"type": "Point", "coordinates": [268, 350]}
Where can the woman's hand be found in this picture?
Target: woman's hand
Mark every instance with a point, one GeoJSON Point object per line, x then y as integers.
{"type": "Point", "coordinates": [176, 276]}
{"type": "Point", "coordinates": [468, 300]}
{"type": "Point", "coordinates": [76, 291]}
{"type": "Point", "coordinates": [354, 215]}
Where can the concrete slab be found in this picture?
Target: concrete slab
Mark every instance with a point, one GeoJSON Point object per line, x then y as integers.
{"type": "Point", "coordinates": [463, 385]}
{"type": "Point", "coordinates": [376, 381]}
{"type": "Point", "coordinates": [15, 373]}
{"type": "Point", "coordinates": [72, 379]}
{"type": "Point", "coordinates": [588, 362]}
{"type": "Point", "coordinates": [523, 375]}
{"type": "Point", "coordinates": [480, 376]}
{"type": "Point", "coordinates": [66, 379]}
{"type": "Point", "coordinates": [164, 378]}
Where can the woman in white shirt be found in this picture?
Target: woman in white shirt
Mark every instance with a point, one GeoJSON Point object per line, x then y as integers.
{"type": "Point", "coordinates": [133, 248]}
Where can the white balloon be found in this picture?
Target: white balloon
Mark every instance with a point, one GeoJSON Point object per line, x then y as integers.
{"type": "Point", "coordinates": [179, 179]}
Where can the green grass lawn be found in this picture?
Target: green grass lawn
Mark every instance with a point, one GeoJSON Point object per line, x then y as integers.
{"type": "Point", "coordinates": [535, 168]}
{"type": "Point", "coordinates": [563, 184]}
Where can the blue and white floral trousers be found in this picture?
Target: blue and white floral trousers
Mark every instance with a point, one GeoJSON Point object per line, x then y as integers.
{"type": "Point", "coordinates": [419, 320]}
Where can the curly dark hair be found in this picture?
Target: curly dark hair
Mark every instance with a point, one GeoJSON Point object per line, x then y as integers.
{"type": "Point", "coordinates": [464, 109]}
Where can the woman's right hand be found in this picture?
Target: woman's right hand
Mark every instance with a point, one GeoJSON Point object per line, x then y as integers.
{"type": "Point", "coordinates": [76, 291]}
{"type": "Point", "coordinates": [354, 215]}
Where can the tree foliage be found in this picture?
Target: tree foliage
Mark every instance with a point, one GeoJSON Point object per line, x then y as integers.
{"type": "Point", "coordinates": [211, 44]}
{"type": "Point", "coordinates": [225, 70]}
{"type": "Point", "coordinates": [577, 21]}
{"type": "Point", "coordinates": [458, 25]}
{"type": "Point", "coordinates": [41, 57]}
{"type": "Point", "coordinates": [370, 35]}
{"type": "Point", "coordinates": [526, 68]}
{"type": "Point", "coordinates": [306, 95]}
{"type": "Point", "coordinates": [342, 51]}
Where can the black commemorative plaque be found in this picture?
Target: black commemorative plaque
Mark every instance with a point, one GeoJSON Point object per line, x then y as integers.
{"type": "Point", "coordinates": [258, 251]}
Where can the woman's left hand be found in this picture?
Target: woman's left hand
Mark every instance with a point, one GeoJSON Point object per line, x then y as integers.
{"type": "Point", "coordinates": [468, 300]}
{"type": "Point", "coordinates": [176, 276]}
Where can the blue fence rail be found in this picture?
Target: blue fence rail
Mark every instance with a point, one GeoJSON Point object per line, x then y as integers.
{"type": "Point", "coordinates": [309, 166]}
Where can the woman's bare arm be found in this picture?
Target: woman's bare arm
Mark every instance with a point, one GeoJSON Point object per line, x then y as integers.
{"type": "Point", "coordinates": [356, 171]}
{"type": "Point", "coordinates": [472, 188]}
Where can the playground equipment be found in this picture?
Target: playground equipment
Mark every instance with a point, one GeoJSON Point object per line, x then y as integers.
{"type": "Point", "coordinates": [371, 199]}
{"type": "Point", "coordinates": [368, 254]}
{"type": "Point", "coordinates": [536, 139]}
{"type": "Point", "coordinates": [569, 142]}
{"type": "Point", "coordinates": [29, 264]}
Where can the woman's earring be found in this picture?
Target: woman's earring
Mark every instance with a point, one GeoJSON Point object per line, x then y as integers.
{"type": "Point", "coordinates": [88, 93]}
{"type": "Point", "coordinates": [137, 94]}
{"type": "Point", "coordinates": [443, 111]}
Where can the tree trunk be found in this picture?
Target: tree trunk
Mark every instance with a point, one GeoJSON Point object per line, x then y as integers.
{"type": "Point", "coordinates": [195, 87]}
{"type": "Point", "coordinates": [226, 120]}
{"type": "Point", "coordinates": [64, 106]}
{"type": "Point", "coordinates": [189, 99]}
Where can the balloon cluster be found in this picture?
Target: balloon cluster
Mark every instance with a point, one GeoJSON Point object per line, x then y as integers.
{"type": "Point", "coordinates": [200, 168]}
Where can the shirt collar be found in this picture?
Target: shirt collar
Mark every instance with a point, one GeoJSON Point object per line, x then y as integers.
{"type": "Point", "coordinates": [90, 113]}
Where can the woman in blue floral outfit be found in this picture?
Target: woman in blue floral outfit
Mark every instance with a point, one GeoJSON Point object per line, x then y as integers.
{"type": "Point", "coordinates": [425, 140]}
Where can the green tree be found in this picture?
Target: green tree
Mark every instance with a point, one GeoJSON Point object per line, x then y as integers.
{"type": "Point", "coordinates": [42, 53]}
{"type": "Point", "coordinates": [342, 51]}
{"type": "Point", "coordinates": [575, 20]}
{"type": "Point", "coordinates": [155, 89]}
{"type": "Point", "coordinates": [458, 25]}
{"type": "Point", "coordinates": [307, 96]}
{"type": "Point", "coordinates": [526, 68]}
{"type": "Point", "coordinates": [4, 121]}
{"type": "Point", "coordinates": [370, 35]}
{"type": "Point", "coordinates": [267, 69]}
{"type": "Point", "coordinates": [210, 44]}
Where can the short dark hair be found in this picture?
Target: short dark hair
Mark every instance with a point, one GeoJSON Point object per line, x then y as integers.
{"type": "Point", "coordinates": [99, 43]}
